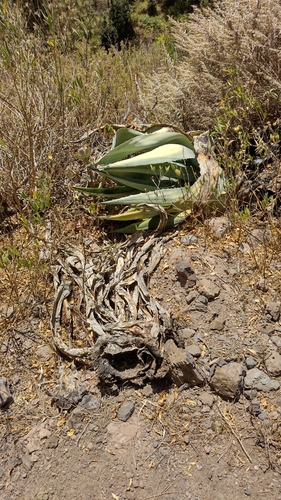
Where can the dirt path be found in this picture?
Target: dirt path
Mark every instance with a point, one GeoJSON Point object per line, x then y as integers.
{"type": "Point", "coordinates": [216, 439]}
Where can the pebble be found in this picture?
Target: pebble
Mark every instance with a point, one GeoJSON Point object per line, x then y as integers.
{"type": "Point", "coordinates": [203, 299]}
{"type": "Point", "coordinates": [6, 397]}
{"type": "Point", "coordinates": [186, 439]}
{"type": "Point", "coordinates": [126, 411]}
{"type": "Point", "coordinates": [33, 445]}
{"type": "Point", "coordinates": [273, 309]}
{"type": "Point", "coordinates": [207, 399]}
{"type": "Point", "coordinates": [191, 296]}
{"type": "Point", "coordinates": [189, 239]}
{"type": "Point", "coordinates": [262, 415]}
{"type": "Point", "coordinates": [186, 274]}
{"type": "Point", "coordinates": [90, 446]}
{"type": "Point", "coordinates": [194, 350]}
{"type": "Point", "coordinates": [199, 337]}
{"type": "Point", "coordinates": [208, 288]}
{"type": "Point", "coordinates": [276, 340]}
{"type": "Point", "coordinates": [217, 323]}
{"type": "Point", "coordinates": [44, 433]}
{"type": "Point", "coordinates": [273, 364]}
{"type": "Point", "coordinates": [44, 352]}
{"type": "Point", "coordinates": [257, 379]}
{"type": "Point", "coordinates": [198, 306]}
{"type": "Point", "coordinates": [147, 391]}
{"type": "Point", "coordinates": [262, 285]}
{"type": "Point", "coordinates": [219, 225]}
{"type": "Point", "coordinates": [52, 442]}
{"type": "Point", "coordinates": [228, 379]}
{"type": "Point", "coordinates": [250, 362]}
{"type": "Point", "coordinates": [90, 403]}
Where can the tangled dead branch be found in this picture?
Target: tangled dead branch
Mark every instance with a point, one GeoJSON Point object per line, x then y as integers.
{"type": "Point", "coordinates": [125, 326]}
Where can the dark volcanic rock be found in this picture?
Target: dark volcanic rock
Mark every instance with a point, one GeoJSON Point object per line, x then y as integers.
{"type": "Point", "coordinates": [185, 274]}
{"type": "Point", "coordinates": [6, 397]}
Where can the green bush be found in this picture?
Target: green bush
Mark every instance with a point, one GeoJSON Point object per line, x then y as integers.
{"type": "Point", "coordinates": [117, 25]}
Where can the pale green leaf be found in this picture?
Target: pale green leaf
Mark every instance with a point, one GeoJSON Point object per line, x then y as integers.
{"type": "Point", "coordinates": [152, 224]}
{"type": "Point", "coordinates": [182, 198]}
{"type": "Point", "coordinates": [147, 142]}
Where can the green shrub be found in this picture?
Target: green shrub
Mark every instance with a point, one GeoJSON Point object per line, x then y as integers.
{"type": "Point", "coordinates": [117, 25]}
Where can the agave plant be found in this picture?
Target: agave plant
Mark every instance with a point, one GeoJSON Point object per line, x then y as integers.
{"type": "Point", "coordinates": [159, 175]}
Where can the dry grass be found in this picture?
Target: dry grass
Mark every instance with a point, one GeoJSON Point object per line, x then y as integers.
{"type": "Point", "coordinates": [51, 93]}
{"type": "Point", "coordinates": [230, 53]}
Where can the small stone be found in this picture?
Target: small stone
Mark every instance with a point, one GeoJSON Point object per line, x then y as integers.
{"type": "Point", "coordinates": [52, 442]}
{"type": "Point", "coordinates": [191, 296]}
{"type": "Point", "coordinates": [90, 403]}
{"type": "Point", "coordinates": [262, 415]}
{"type": "Point", "coordinates": [126, 411]}
{"type": "Point", "coordinates": [228, 380]}
{"type": "Point", "coordinates": [189, 239]}
{"type": "Point", "coordinates": [207, 399]}
{"type": "Point", "coordinates": [90, 446]}
{"type": "Point", "coordinates": [182, 367]}
{"type": "Point", "coordinates": [244, 248]}
{"type": "Point", "coordinates": [273, 364]}
{"type": "Point", "coordinates": [203, 299]}
{"type": "Point", "coordinates": [257, 237]}
{"type": "Point", "coordinates": [219, 225]}
{"type": "Point", "coordinates": [42, 495]}
{"type": "Point", "coordinates": [44, 433]}
{"type": "Point", "coordinates": [186, 438]}
{"type": "Point", "coordinates": [44, 352]}
{"type": "Point", "coordinates": [186, 274]}
{"type": "Point", "coordinates": [147, 391]}
{"type": "Point", "coordinates": [76, 418]}
{"type": "Point", "coordinates": [276, 340]}
{"type": "Point", "coordinates": [273, 309]}
{"type": "Point", "coordinates": [206, 424]}
{"type": "Point", "coordinates": [262, 285]}
{"type": "Point", "coordinates": [250, 362]}
{"type": "Point", "coordinates": [198, 306]}
{"type": "Point", "coordinates": [199, 337]}
{"type": "Point", "coordinates": [208, 288]}
{"type": "Point", "coordinates": [27, 462]}
{"type": "Point", "coordinates": [194, 350]}
{"type": "Point", "coordinates": [98, 440]}
{"type": "Point", "coordinates": [257, 379]}
{"type": "Point", "coordinates": [186, 333]}
{"type": "Point", "coordinates": [218, 323]}
{"type": "Point", "coordinates": [255, 407]}
{"type": "Point", "coordinates": [6, 397]}
{"type": "Point", "coordinates": [33, 445]}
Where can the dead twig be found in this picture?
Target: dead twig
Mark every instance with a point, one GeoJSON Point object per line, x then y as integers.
{"type": "Point", "coordinates": [234, 434]}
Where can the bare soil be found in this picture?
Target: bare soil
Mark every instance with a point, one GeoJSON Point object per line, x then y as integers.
{"type": "Point", "coordinates": [181, 442]}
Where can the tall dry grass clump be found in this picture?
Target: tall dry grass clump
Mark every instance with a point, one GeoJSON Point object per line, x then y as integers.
{"type": "Point", "coordinates": [55, 85]}
{"type": "Point", "coordinates": [230, 56]}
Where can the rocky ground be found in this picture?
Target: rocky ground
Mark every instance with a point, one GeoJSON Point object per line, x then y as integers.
{"type": "Point", "coordinates": [209, 429]}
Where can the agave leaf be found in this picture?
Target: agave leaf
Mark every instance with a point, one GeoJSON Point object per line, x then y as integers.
{"type": "Point", "coordinates": [179, 198]}
{"type": "Point", "coordinates": [152, 224]}
{"type": "Point", "coordinates": [132, 214]}
{"type": "Point", "coordinates": [176, 171]}
{"type": "Point", "coordinates": [142, 182]}
{"type": "Point", "coordinates": [123, 135]}
{"type": "Point", "coordinates": [146, 142]}
{"type": "Point", "coordinates": [112, 192]}
{"type": "Point", "coordinates": [165, 154]}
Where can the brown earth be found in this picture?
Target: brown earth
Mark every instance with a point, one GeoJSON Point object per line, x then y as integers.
{"type": "Point", "coordinates": [182, 441]}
